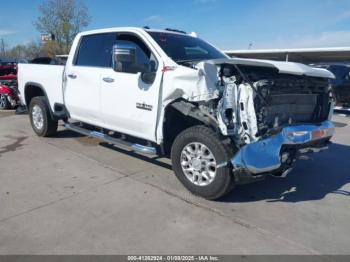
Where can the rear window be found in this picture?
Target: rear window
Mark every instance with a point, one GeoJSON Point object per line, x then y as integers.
{"type": "Point", "coordinates": [95, 50]}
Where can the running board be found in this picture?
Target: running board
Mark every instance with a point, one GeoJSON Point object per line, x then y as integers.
{"type": "Point", "coordinates": [112, 140]}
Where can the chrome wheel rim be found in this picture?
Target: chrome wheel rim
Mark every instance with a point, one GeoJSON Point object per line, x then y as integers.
{"type": "Point", "coordinates": [2, 101]}
{"type": "Point", "coordinates": [198, 164]}
{"type": "Point", "coordinates": [38, 117]}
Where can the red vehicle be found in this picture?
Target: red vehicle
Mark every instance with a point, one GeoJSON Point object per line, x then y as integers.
{"type": "Point", "coordinates": [8, 86]}
{"type": "Point", "coordinates": [8, 68]}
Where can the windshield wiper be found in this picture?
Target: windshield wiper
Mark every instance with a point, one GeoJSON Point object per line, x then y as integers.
{"type": "Point", "coordinates": [189, 60]}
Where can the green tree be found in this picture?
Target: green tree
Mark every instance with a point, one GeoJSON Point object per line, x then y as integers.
{"type": "Point", "coordinates": [63, 19]}
{"type": "Point", "coordinates": [50, 49]}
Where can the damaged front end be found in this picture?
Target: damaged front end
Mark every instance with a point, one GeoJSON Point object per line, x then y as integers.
{"type": "Point", "coordinates": [276, 154]}
{"type": "Point", "coordinates": [272, 111]}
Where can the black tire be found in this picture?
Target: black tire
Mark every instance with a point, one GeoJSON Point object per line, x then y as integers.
{"type": "Point", "coordinates": [4, 102]}
{"type": "Point", "coordinates": [49, 127]}
{"type": "Point", "coordinates": [223, 181]}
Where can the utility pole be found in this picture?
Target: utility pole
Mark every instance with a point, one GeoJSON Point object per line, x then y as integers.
{"type": "Point", "coordinates": [2, 47]}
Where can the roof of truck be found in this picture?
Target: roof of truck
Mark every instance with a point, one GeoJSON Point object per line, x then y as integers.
{"type": "Point", "coordinates": [304, 55]}
{"type": "Point", "coordinates": [114, 29]}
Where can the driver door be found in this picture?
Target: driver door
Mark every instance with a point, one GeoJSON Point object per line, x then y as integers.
{"type": "Point", "coordinates": [129, 104]}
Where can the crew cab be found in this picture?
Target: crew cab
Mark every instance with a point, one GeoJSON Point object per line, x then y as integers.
{"type": "Point", "coordinates": [222, 121]}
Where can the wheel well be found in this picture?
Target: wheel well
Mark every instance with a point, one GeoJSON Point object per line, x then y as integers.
{"type": "Point", "coordinates": [178, 118]}
{"type": "Point", "coordinates": [32, 91]}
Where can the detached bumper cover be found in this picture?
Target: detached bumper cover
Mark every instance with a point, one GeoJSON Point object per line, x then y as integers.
{"type": "Point", "coordinates": [264, 156]}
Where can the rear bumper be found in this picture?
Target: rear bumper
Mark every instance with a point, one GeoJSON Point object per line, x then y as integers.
{"type": "Point", "coordinates": [277, 153]}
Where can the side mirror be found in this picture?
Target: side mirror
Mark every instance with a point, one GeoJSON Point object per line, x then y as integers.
{"type": "Point", "coordinates": [149, 74]}
{"type": "Point", "coordinates": [124, 57]}
{"type": "Point", "coordinates": [124, 60]}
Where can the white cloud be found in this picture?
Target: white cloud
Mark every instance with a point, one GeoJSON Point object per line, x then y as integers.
{"type": "Point", "coordinates": [343, 16]}
{"type": "Point", "coordinates": [324, 39]}
{"type": "Point", "coordinates": [6, 32]}
{"type": "Point", "coordinates": [154, 19]}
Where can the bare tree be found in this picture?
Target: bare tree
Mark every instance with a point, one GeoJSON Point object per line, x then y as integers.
{"type": "Point", "coordinates": [63, 19]}
{"type": "Point", "coordinates": [32, 50]}
{"type": "Point", "coordinates": [25, 51]}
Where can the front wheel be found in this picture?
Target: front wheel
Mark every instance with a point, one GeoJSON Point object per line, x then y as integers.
{"type": "Point", "coordinates": [40, 117]}
{"type": "Point", "coordinates": [199, 159]}
{"type": "Point", "coordinates": [4, 102]}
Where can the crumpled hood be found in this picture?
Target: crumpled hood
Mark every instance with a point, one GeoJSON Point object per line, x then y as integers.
{"type": "Point", "coordinates": [201, 84]}
{"type": "Point", "coordinates": [282, 67]}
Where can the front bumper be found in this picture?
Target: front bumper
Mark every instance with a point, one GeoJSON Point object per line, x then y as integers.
{"type": "Point", "coordinates": [276, 154]}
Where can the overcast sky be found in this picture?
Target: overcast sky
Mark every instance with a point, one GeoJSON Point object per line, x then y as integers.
{"type": "Point", "coordinates": [228, 24]}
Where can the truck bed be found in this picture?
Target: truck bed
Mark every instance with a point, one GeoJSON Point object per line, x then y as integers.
{"type": "Point", "coordinates": [49, 76]}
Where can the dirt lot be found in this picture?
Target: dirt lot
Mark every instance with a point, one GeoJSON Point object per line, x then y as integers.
{"type": "Point", "coordinates": [74, 195]}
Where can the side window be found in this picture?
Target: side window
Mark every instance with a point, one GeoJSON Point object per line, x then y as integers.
{"type": "Point", "coordinates": [144, 55]}
{"type": "Point", "coordinates": [95, 50]}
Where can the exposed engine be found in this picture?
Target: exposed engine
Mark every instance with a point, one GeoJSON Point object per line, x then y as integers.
{"type": "Point", "coordinates": [258, 101]}
{"type": "Point", "coordinates": [248, 102]}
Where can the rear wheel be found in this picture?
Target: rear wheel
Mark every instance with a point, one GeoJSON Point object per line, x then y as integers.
{"type": "Point", "coordinates": [4, 102]}
{"type": "Point", "coordinates": [40, 117]}
{"type": "Point", "coordinates": [199, 159]}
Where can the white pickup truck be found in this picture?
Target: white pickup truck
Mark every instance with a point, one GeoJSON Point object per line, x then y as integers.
{"type": "Point", "coordinates": [222, 121]}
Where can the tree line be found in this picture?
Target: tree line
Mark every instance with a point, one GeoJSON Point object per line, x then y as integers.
{"type": "Point", "coordinates": [62, 19]}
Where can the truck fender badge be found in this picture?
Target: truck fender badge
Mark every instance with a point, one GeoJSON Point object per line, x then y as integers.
{"type": "Point", "coordinates": [144, 106]}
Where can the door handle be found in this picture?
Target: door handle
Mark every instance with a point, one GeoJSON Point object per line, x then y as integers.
{"type": "Point", "coordinates": [72, 76]}
{"type": "Point", "coordinates": [108, 79]}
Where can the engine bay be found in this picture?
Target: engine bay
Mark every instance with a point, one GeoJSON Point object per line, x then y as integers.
{"type": "Point", "coordinates": [267, 100]}
{"type": "Point", "coordinates": [252, 102]}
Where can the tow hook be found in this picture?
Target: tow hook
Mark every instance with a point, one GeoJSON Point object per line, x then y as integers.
{"type": "Point", "coordinates": [223, 164]}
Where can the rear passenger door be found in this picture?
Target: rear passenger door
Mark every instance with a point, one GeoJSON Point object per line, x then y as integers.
{"type": "Point", "coordinates": [82, 89]}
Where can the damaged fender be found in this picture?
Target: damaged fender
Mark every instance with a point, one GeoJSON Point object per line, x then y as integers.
{"type": "Point", "coordinates": [234, 107]}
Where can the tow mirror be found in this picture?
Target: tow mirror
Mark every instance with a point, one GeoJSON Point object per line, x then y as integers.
{"type": "Point", "coordinates": [124, 60]}
{"type": "Point", "coordinates": [149, 74]}
{"type": "Point", "coordinates": [124, 57]}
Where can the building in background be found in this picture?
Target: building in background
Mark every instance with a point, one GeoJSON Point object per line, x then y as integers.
{"type": "Point", "coordinates": [45, 38]}
{"type": "Point", "coordinates": [335, 59]}
{"type": "Point", "coordinates": [302, 55]}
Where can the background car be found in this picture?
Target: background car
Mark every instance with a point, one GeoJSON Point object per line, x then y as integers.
{"type": "Point", "coordinates": [341, 84]}
{"type": "Point", "coordinates": [8, 67]}
{"type": "Point", "coordinates": [8, 85]}
{"type": "Point", "coordinates": [47, 61]}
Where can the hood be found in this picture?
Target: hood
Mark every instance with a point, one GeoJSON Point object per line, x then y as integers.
{"type": "Point", "coordinates": [282, 67]}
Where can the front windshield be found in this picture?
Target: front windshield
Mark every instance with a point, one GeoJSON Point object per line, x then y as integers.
{"type": "Point", "coordinates": [184, 48]}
